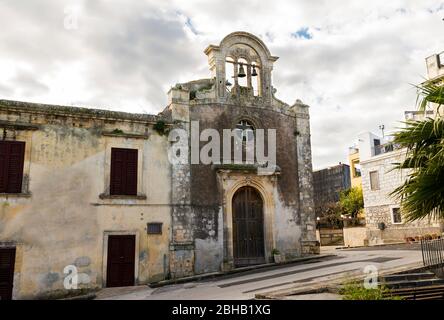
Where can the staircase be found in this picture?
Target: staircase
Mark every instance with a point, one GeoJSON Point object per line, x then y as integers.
{"type": "Point", "coordinates": [414, 286]}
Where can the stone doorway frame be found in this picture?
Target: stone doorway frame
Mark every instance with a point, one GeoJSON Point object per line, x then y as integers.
{"type": "Point", "coordinates": [106, 235]}
{"type": "Point", "coordinates": [229, 182]}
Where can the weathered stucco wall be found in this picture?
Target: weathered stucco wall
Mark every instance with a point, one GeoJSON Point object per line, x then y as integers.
{"type": "Point", "coordinates": [206, 195]}
{"type": "Point", "coordinates": [60, 219]}
{"type": "Point", "coordinates": [202, 241]}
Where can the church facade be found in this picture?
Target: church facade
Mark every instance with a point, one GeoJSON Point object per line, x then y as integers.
{"type": "Point", "coordinates": [93, 198]}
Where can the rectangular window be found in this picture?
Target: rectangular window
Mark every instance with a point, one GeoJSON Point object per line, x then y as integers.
{"type": "Point", "coordinates": [356, 169]}
{"type": "Point", "coordinates": [123, 179]}
{"type": "Point", "coordinates": [374, 180]}
{"type": "Point", "coordinates": [154, 228]}
{"type": "Point", "coordinates": [12, 156]}
{"type": "Point", "coordinates": [396, 215]}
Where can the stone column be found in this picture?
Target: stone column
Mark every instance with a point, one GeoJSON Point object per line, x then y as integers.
{"type": "Point", "coordinates": [309, 243]}
{"type": "Point", "coordinates": [182, 240]}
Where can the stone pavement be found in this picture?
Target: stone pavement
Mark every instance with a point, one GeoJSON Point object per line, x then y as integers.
{"type": "Point", "coordinates": [248, 285]}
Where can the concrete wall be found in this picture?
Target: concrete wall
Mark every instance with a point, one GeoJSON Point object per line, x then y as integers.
{"type": "Point", "coordinates": [355, 237]}
{"type": "Point", "coordinates": [366, 144]}
{"type": "Point", "coordinates": [63, 216]}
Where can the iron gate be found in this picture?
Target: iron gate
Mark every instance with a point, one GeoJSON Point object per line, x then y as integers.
{"type": "Point", "coordinates": [433, 255]}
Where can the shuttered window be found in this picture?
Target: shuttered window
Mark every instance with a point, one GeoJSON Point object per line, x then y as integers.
{"type": "Point", "coordinates": [12, 154]}
{"type": "Point", "coordinates": [123, 171]}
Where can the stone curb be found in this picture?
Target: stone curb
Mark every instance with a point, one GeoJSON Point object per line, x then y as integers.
{"type": "Point", "coordinates": [375, 245]}
{"type": "Point", "coordinates": [89, 296]}
{"type": "Point", "coordinates": [272, 266]}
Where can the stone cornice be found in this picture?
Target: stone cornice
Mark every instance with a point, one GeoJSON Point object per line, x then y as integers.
{"type": "Point", "coordinates": [69, 111]}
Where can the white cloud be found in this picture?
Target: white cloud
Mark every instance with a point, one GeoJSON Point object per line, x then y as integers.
{"type": "Point", "coordinates": [355, 71]}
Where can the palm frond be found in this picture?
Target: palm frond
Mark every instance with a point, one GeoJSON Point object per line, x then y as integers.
{"type": "Point", "coordinates": [422, 193]}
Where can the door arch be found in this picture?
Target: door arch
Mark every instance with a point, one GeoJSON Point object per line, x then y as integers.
{"type": "Point", "coordinates": [248, 227]}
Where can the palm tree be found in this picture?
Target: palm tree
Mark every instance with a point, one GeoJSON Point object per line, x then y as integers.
{"type": "Point", "coordinates": [422, 193]}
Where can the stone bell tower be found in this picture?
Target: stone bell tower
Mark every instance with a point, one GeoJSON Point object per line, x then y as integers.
{"type": "Point", "coordinates": [247, 57]}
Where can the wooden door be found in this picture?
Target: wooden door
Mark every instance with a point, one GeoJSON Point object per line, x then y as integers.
{"type": "Point", "coordinates": [7, 261]}
{"type": "Point", "coordinates": [248, 227]}
{"type": "Point", "coordinates": [120, 267]}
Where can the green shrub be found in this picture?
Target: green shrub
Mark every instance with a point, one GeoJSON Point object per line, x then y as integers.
{"type": "Point", "coordinates": [160, 127]}
{"type": "Point", "coordinates": [351, 201]}
{"type": "Point", "coordinates": [354, 290]}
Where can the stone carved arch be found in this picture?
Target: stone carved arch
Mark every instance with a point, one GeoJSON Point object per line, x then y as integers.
{"type": "Point", "coordinates": [265, 187]}
{"type": "Point", "coordinates": [249, 39]}
{"type": "Point", "coordinates": [227, 47]}
{"type": "Point", "coordinates": [257, 123]}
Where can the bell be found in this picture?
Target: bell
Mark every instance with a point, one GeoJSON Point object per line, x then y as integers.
{"type": "Point", "coordinates": [253, 72]}
{"type": "Point", "coordinates": [241, 72]}
{"type": "Point", "coordinates": [228, 83]}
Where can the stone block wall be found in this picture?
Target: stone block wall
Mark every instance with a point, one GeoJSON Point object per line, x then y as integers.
{"type": "Point", "coordinates": [378, 203]}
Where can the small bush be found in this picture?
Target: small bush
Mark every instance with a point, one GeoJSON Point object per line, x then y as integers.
{"type": "Point", "coordinates": [427, 237]}
{"type": "Point", "coordinates": [354, 290]}
{"type": "Point", "coordinates": [160, 126]}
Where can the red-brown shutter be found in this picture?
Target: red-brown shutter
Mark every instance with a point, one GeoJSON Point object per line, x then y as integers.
{"type": "Point", "coordinates": [15, 168]}
{"type": "Point", "coordinates": [123, 171]}
{"type": "Point", "coordinates": [7, 261]}
{"type": "Point", "coordinates": [12, 155]}
{"type": "Point", "coordinates": [116, 171]}
{"type": "Point", "coordinates": [131, 172]}
{"type": "Point", "coordinates": [4, 154]}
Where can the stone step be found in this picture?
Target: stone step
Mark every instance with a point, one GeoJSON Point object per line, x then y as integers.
{"type": "Point", "coordinates": [435, 292]}
{"type": "Point", "coordinates": [407, 276]}
{"type": "Point", "coordinates": [392, 241]}
{"type": "Point", "coordinates": [414, 283]}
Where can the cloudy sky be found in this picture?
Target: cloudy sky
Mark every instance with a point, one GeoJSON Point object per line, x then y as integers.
{"type": "Point", "coordinates": [353, 62]}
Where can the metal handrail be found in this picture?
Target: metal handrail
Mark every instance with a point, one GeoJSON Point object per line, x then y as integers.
{"type": "Point", "coordinates": [433, 255]}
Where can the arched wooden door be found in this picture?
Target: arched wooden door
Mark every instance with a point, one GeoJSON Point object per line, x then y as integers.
{"type": "Point", "coordinates": [248, 227]}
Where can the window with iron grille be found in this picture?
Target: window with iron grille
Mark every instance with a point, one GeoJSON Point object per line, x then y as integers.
{"type": "Point", "coordinates": [12, 155]}
{"type": "Point", "coordinates": [154, 228]}
{"type": "Point", "coordinates": [123, 179]}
